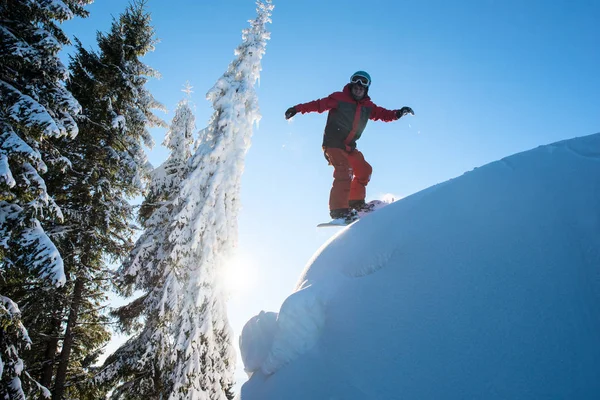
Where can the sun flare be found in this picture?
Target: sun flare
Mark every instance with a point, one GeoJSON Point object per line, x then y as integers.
{"type": "Point", "coordinates": [239, 274]}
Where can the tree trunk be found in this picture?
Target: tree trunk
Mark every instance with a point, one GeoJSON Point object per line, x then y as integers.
{"type": "Point", "coordinates": [61, 373]}
{"type": "Point", "coordinates": [50, 353]}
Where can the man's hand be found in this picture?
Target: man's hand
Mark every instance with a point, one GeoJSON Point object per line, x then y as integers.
{"type": "Point", "coordinates": [290, 112]}
{"type": "Point", "coordinates": [403, 111]}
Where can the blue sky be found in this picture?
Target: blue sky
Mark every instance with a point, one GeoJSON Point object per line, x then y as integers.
{"type": "Point", "coordinates": [486, 79]}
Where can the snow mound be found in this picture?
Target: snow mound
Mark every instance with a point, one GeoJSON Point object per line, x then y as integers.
{"type": "Point", "coordinates": [300, 321]}
{"type": "Point", "coordinates": [484, 286]}
{"type": "Point", "coordinates": [256, 340]}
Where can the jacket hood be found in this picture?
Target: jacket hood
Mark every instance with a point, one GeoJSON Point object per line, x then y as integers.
{"type": "Point", "coordinates": [347, 90]}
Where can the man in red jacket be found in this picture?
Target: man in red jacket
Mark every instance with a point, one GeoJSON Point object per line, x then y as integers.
{"type": "Point", "coordinates": [349, 112]}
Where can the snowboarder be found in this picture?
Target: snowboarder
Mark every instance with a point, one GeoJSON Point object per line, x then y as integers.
{"type": "Point", "coordinates": [349, 112]}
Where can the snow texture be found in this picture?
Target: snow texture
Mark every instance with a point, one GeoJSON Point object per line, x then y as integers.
{"type": "Point", "coordinates": [47, 258]}
{"type": "Point", "coordinates": [34, 112]}
{"type": "Point", "coordinates": [259, 331]}
{"type": "Point", "coordinates": [10, 362]}
{"type": "Point", "coordinates": [484, 286]}
{"type": "Point", "coordinates": [6, 176]}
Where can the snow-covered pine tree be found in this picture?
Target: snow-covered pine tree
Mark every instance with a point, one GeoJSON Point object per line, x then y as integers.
{"type": "Point", "coordinates": [114, 127]}
{"type": "Point", "coordinates": [165, 179]}
{"type": "Point", "coordinates": [108, 165]}
{"type": "Point", "coordinates": [184, 350]}
{"type": "Point", "coordinates": [35, 111]}
{"type": "Point", "coordinates": [140, 368]}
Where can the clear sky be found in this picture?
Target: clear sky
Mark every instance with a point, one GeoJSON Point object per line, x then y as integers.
{"type": "Point", "coordinates": [486, 79]}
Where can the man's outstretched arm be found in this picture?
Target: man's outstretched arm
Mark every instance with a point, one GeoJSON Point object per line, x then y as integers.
{"type": "Point", "coordinates": [320, 105]}
{"type": "Point", "coordinates": [383, 114]}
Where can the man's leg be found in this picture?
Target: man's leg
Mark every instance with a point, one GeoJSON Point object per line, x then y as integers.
{"type": "Point", "coordinates": [342, 178]}
{"type": "Point", "coordinates": [362, 175]}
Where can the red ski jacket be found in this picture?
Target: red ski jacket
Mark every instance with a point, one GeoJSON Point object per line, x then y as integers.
{"type": "Point", "coordinates": [347, 117]}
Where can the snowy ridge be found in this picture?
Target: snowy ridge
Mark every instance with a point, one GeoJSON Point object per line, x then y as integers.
{"type": "Point", "coordinates": [299, 324]}
{"type": "Point", "coordinates": [262, 325]}
{"type": "Point", "coordinates": [302, 315]}
{"type": "Point", "coordinates": [487, 284]}
{"type": "Point", "coordinates": [268, 347]}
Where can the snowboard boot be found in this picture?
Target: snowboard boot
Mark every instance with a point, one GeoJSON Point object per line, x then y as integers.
{"type": "Point", "coordinates": [347, 214]}
{"type": "Point", "coordinates": [360, 205]}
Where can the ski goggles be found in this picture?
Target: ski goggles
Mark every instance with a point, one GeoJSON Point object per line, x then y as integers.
{"type": "Point", "coordinates": [361, 80]}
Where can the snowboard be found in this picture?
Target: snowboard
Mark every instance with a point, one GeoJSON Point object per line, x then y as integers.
{"type": "Point", "coordinates": [372, 205]}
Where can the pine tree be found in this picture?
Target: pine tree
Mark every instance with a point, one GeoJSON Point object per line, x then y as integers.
{"type": "Point", "coordinates": [166, 179]}
{"type": "Point", "coordinates": [35, 111]}
{"type": "Point", "coordinates": [182, 347]}
{"type": "Point", "coordinates": [110, 171]}
{"type": "Point", "coordinates": [134, 364]}
{"type": "Point", "coordinates": [107, 169]}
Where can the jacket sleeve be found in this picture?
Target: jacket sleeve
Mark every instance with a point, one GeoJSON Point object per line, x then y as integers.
{"type": "Point", "coordinates": [321, 105]}
{"type": "Point", "coordinates": [382, 114]}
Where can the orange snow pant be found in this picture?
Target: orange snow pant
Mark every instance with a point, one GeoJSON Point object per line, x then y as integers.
{"type": "Point", "coordinates": [351, 174]}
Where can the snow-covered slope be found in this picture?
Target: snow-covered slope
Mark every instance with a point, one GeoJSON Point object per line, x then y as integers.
{"type": "Point", "coordinates": [486, 286]}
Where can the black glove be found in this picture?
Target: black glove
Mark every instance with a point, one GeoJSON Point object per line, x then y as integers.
{"type": "Point", "coordinates": [403, 111]}
{"type": "Point", "coordinates": [290, 112]}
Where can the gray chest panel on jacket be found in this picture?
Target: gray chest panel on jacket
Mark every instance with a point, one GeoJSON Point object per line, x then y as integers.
{"type": "Point", "coordinates": [340, 121]}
